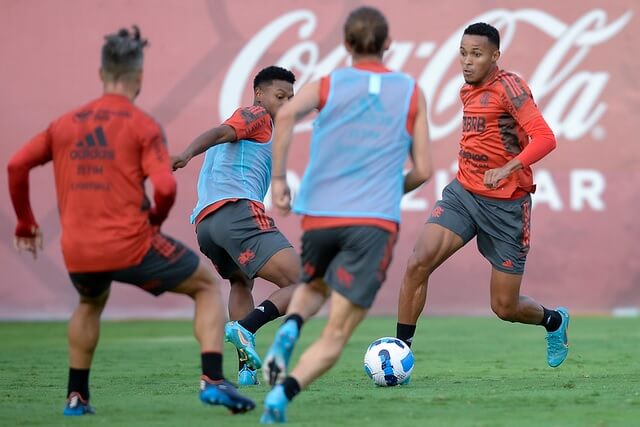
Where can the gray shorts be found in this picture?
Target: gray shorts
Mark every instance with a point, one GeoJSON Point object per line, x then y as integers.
{"type": "Point", "coordinates": [502, 226]}
{"type": "Point", "coordinates": [352, 260]}
{"type": "Point", "coordinates": [239, 236]}
{"type": "Point", "coordinates": [166, 265]}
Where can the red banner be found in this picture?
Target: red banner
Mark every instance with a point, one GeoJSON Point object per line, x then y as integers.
{"type": "Point", "coordinates": [577, 57]}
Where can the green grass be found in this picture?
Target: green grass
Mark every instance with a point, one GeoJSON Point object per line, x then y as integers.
{"type": "Point", "coordinates": [469, 372]}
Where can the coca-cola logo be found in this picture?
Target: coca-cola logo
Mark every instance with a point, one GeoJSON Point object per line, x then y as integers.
{"type": "Point", "coordinates": [569, 95]}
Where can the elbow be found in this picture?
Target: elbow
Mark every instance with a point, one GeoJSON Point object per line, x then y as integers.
{"type": "Point", "coordinates": [164, 185]}
{"type": "Point", "coordinates": [14, 166]}
{"type": "Point", "coordinates": [424, 173]}
{"type": "Point", "coordinates": [285, 115]}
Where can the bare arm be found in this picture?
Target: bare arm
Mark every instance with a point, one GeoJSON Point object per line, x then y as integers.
{"type": "Point", "coordinates": [420, 150]}
{"type": "Point", "coordinates": [206, 140]}
{"type": "Point", "coordinates": [300, 105]}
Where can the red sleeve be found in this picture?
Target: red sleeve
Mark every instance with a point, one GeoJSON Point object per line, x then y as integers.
{"type": "Point", "coordinates": [325, 85]}
{"type": "Point", "coordinates": [36, 152]}
{"type": "Point", "coordinates": [155, 164]}
{"type": "Point", "coordinates": [164, 195]}
{"type": "Point", "coordinates": [413, 110]}
{"type": "Point", "coordinates": [518, 101]}
{"type": "Point", "coordinates": [253, 123]}
{"type": "Point", "coordinates": [155, 157]}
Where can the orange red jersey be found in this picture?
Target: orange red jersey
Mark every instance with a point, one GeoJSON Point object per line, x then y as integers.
{"type": "Point", "coordinates": [252, 123]}
{"type": "Point", "coordinates": [102, 153]}
{"type": "Point", "coordinates": [501, 122]}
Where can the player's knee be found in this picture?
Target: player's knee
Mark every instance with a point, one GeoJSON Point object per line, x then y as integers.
{"type": "Point", "coordinates": [337, 338]}
{"type": "Point", "coordinates": [503, 310]}
{"type": "Point", "coordinates": [290, 276]}
{"type": "Point", "coordinates": [418, 266]}
{"type": "Point", "coordinates": [241, 281]}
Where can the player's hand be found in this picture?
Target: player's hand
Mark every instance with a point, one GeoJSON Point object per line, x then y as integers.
{"type": "Point", "coordinates": [492, 177]}
{"type": "Point", "coordinates": [178, 162]}
{"type": "Point", "coordinates": [31, 244]}
{"type": "Point", "coordinates": [281, 195]}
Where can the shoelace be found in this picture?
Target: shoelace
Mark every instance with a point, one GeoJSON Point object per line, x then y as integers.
{"type": "Point", "coordinates": [555, 343]}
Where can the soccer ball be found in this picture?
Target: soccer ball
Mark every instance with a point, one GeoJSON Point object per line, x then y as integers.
{"type": "Point", "coordinates": [388, 362]}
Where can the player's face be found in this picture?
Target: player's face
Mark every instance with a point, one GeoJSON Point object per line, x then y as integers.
{"type": "Point", "coordinates": [273, 96]}
{"type": "Point", "coordinates": [477, 57]}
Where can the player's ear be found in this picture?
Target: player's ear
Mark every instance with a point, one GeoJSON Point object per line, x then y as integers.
{"type": "Point", "coordinates": [258, 93]}
{"type": "Point", "coordinates": [348, 47]}
{"type": "Point", "coordinates": [387, 44]}
{"type": "Point", "coordinates": [101, 74]}
{"type": "Point", "coordinates": [495, 56]}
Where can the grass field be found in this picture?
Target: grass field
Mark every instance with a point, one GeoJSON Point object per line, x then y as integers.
{"type": "Point", "coordinates": [469, 372]}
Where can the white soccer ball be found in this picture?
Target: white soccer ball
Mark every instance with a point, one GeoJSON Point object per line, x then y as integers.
{"type": "Point", "coordinates": [388, 362]}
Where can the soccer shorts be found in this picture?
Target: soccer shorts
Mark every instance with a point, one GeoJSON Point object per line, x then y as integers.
{"type": "Point", "coordinates": [239, 236]}
{"type": "Point", "coordinates": [166, 264]}
{"type": "Point", "coordinates": [352, 260]}
{"type": "Point", "coordinates": [502, 226]}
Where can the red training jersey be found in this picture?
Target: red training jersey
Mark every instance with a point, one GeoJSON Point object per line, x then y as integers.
{"type": "Point", "coordinates": [102, 153]}
{"type": "Point", "coordinates": [499, 118]}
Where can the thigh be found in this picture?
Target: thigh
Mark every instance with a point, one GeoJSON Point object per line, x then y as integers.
{"type": "Point", "coordinates": [166, 265]}
{"type": "Point", "coordinates": [505, 288]}
{"type": "Point", "coordinates": [91, 285]}
{"type": "Point", "coordinates": [247, 235]}
{"type": "Point", "coordinates": [359, 269]}
{"type": "Point", "coordinates": [504, 233]}
{"type": "Point", "coordinates": [319, 248]}
{"type": "Point", "coordinates": [219, 257]}
{"type": "Point", "coordinates": [344, 317]}
{"type": "Point", "coordinates": [454, 212]}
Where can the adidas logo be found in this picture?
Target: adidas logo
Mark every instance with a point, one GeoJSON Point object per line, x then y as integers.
{"type": "Point", "coordinates": [507, 264]}
{"type": "Point", "coordinates": [261, 308]}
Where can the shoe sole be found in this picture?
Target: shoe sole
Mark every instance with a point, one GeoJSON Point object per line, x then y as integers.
{"type": "Point", "coordinates": [276, 370]}
{"type": "Point", "coordinates": [253, 360]}
{"type": "Point", "coordinates": [234, 408]}
{"type": "Point", "coordinates": [272, 416]}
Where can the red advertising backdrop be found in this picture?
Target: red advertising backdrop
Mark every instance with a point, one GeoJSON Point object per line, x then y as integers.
{"type": "Point", "coordinates": [579, 58]}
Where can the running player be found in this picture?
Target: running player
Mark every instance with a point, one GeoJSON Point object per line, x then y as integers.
{"type": "Point", "coordinates": [370, 119]}
{"type": "Point", "coordinates": [233, 229]}
{"type": "Point", "coordinates": [503, 134]}
{"type": "Point", "coordinates": [102, 153]}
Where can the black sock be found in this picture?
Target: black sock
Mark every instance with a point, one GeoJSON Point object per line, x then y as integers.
{"type": "Point", "coordinates": [212, 365]}
{"type": "Point", "coordinates": [297, 319]}
{"type": "Point", "coordinates": [262, 314]}
{"type": "Point", "coordinates": [79, 382]}
{"type": "Point", "coordinates": [551, 320]}
{"type": "Point", "coordinates": [291, 387]}
{"type": "Point", "coordinates": [405, 332]}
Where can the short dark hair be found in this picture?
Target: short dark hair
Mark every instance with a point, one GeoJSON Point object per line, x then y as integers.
{"type": "Point", "coordinates": [122, 52]}
{"type": "Point", "coordinates": [483, 29]}
{"type": "Point", "coordinates": [366, 30]}
{"type": "Point", "coordinates": [271, 73]}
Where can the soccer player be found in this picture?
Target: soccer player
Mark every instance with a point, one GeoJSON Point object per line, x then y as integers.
{"type": "Point", "coordinates": [102, 153]}
{"type": "Point", "coordinates": [370, 119]}
{"type": "Point", "coordinates": [233, 230]}
{"type": "Point", "coordinates": [503, 134]}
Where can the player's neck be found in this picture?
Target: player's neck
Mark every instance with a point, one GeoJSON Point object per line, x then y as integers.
{"type": "Point", "coordinates": [492, 72]}
{"type": "Point", "coordinates": [362, 59]}
{"type": "Point", "coordinates": [120, 89]}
